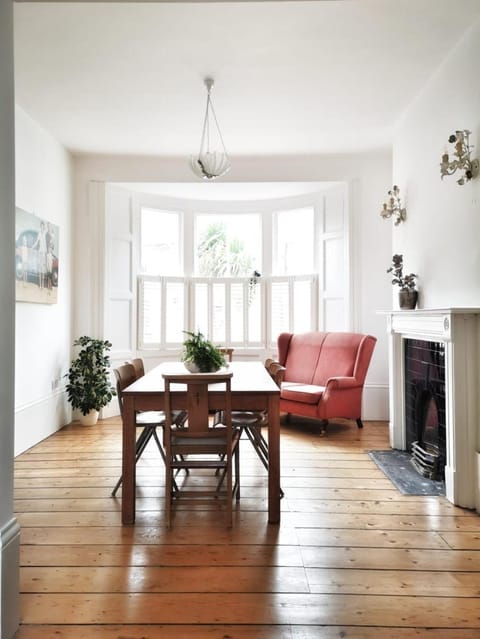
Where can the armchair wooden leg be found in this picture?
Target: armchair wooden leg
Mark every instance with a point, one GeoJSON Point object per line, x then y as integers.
{"type": "Point", "coordinates": [359, 423]}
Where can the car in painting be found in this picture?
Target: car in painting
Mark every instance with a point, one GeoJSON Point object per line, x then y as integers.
{"type": "Point", "coordinates": [26, 258]}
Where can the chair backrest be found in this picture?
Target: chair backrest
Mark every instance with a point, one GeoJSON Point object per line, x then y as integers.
{"type": "Point", "coordinates": [276, 372]}
{"type": "Point", "coordinates": [200, 402]}
{"type": "Point", "coordinates": [124, 375]}
{"type": "Point", "coordinates": [268, 362]}
{"type": "Point", "coordinates": [139, 367]}
{"type": "Point", "coordinates": [227, 352]}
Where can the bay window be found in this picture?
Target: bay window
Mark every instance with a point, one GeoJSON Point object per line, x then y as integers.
{"type": "Point", "coordinates": [240, 272]}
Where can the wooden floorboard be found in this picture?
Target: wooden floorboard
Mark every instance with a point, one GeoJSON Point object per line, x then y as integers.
{"type": "Point", "coordinates": [352, 558]}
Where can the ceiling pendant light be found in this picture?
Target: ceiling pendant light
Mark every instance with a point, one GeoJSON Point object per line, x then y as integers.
{"type": "Point", "coordinates": [210, 164]}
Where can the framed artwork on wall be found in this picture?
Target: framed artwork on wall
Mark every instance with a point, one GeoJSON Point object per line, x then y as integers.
{"type": "Point", "coordinates": [36, 259]}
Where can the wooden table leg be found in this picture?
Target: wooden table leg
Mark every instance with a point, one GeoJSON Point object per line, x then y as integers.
{"type": "Point", "coordinates": [274, 459]}
{"type": "Point", "coordinates": [128, 461]}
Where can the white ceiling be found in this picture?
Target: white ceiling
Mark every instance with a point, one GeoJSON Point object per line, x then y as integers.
{"type": "Point", "coordinates": [290, 77]}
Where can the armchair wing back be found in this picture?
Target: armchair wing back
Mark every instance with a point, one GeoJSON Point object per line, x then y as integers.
{"type": "Point", "coordinates": [324, 373]}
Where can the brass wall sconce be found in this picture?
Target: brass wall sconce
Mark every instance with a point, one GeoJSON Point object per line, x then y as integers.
{"type": "Point", "coordinates": [393, 208]}
{"type": "Point", "coordinates": [462, 159]}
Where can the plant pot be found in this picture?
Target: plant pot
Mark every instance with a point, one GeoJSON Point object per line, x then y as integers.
{"type": "Point", "coordinates": [90, 419]}
{"type": "Point", "coordinates": [193, 368]}
{"type": "Point", "coordinates": [407, 299]}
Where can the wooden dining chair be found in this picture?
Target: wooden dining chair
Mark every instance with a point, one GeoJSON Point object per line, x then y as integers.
{"type": "Point", "coordinates": [252, 422]}
{"type": "Point", "coordinates": [147, 421]}
{"type": "Point", "coordinates": [199, 444]}
{"type": "Point", "coordinates": [227, 353]}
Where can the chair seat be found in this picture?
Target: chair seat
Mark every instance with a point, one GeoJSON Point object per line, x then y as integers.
{"type": "Point", "coordinates": [147, 417]}
{"type": "Point", "coordinates": [305, 393]}
{"type": "Point", "coordinates": [248, 418]}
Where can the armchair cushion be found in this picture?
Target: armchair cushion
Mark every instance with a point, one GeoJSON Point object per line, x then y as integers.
{"type": "Point", "coordinates": [307, 393]}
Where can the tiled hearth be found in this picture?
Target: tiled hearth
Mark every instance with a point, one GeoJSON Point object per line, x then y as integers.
{"type": "Point", "coordinates": [456, 332]}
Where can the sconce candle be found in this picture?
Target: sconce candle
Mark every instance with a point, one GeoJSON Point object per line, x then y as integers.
{"type": "Point", "coordinates": [394, 207]}
{"type": "Point", "coordinates": [462, 159]}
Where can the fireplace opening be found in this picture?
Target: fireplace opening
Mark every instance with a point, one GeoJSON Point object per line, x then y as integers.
{"type": "Point", "coordinates": [427, 455]}
{"type": "Point", "coordinates": [425, 406]}
{"type": "Point", "coordinates": [429, 423]}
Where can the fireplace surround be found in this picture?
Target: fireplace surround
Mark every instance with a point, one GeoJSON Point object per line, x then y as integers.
{"type": "Point", "coordinates": [455, 333]}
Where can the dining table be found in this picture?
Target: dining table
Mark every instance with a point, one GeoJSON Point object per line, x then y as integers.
{"type": "Point", "coordinates": [252, 389]}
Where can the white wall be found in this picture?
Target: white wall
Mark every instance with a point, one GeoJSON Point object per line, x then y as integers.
{"type": "Point", "coordinates": [43, 331]}
{"type": "Point", "coordinates": [369, 176]}
{"type": "Point", "coordinates": [441, 238]}
{"type": "Point", "coordinates": [9, 530]}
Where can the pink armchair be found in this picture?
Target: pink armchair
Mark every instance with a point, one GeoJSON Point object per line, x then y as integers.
{"type": "Point", "coordinates": [325, 374]}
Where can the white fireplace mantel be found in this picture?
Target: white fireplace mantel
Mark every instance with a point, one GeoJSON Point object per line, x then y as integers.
{"type": "Point", "coordinates": [459, 330]}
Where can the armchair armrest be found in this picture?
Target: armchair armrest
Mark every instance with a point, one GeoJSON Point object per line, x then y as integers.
{"type": "Point", "coordinates": [341, 383]}
{"type": "Point", "coordinates": [335, 384]}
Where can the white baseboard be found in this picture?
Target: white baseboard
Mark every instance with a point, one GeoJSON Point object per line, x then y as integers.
{"type": "Point", "coordinates": [111, 410]}
{"type": "Point", "coordinates": [9, 587]}
{"type": "Point", "coordinates": [375, 402]}
{"type": "Point", "coordinates": [38, 420]}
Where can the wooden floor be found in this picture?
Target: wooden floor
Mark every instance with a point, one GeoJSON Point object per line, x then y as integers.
{"type": "Point", "coordinates": [352, 558]}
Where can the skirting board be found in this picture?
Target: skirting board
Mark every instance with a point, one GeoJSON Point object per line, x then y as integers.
{"type": "Point", "coordinates": [40, 419]}
{"type": "Point", "coordinates": [9, 561]}
{"type": "Point", "coordinates": [375, 403]}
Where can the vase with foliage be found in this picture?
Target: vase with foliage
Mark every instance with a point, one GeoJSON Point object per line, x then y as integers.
{"type": "Point", "coordinates": [408, 295]}
{"type": "Point", "coordinates": [200, 355]}
{"type": "Point", "coordinates": [89, 388]}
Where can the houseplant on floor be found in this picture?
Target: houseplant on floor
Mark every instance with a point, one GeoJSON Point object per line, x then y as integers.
{"type": "Point", "coordinates": [89, 388]}
{"type": "Point", "coordinates": [408, 295]}
{"type": "Point", "coordinates": [200, 355]}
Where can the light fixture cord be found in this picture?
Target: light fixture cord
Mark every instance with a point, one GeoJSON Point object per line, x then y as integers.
{"type": "Point", "coordinates": [216, 124]}
{"type": "Point", "coordinates": [206, 127]}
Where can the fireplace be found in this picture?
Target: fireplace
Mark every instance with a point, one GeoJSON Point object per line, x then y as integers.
{"type": "Point", "coordinates": [434, 360]}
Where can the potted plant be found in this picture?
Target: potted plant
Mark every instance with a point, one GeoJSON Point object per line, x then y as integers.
{"type": "Point", "coordinates": [89, 388]}
{"type": "Point", "coordinates": [408, 294]}
{"type": "Point", "coordinates": [200, 355]}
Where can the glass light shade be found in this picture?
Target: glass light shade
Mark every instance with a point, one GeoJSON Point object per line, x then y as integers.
{"type": "Point", "coordinates": [210, 165]}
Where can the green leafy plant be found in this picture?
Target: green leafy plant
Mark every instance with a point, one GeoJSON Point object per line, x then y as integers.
{"type": "Point", "coordinates": [405, 282]}
{"type": "Point", "coordinates": [202, 353]}
{"type": "Point", "coordinates": [89, 385]}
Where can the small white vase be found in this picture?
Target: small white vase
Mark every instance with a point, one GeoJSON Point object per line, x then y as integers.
{"type": "Point", "coordinates": [90, 419]}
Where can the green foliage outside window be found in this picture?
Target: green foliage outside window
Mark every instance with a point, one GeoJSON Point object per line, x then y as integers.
{"type": "Point", "coordinates": [219, 257]}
